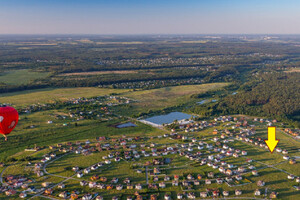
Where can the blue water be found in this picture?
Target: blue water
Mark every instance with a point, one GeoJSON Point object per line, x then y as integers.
{"type": "Point", "coordinates": [128, 124]}
{"type": "Point", "coordinates": [201, 102]}
{"type": "Point", "coordinates": [169, 118]}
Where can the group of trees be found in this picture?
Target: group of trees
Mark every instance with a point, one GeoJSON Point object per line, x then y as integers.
{"type": "Point", "coordinates": [275, 95]}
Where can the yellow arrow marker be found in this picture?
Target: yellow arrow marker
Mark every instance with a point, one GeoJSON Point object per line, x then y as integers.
{"type": "Point", "coordinates": [271, 141]}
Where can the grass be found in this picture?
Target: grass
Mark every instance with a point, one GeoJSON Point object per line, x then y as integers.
{"type": "Point", "coordinates": [99, 73]}
{"type": "Point", "coordinates": [156, 99]}
{"type": "Point", "coordinates": [46, 134]}
{"type": "Point", "coordinates": [49, 95]}
{"type": "Point", "coordinates": [18, 77]}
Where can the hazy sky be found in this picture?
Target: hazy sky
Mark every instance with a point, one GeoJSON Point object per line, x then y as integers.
{"type": "Point", "coordinates": [149, 16]}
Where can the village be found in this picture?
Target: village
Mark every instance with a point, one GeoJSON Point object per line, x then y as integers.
{"type": "Point", "coordinates": [193, 159]}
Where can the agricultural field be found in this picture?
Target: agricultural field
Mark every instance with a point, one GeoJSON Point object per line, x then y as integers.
{"type": "Point", "coordinates": [40, 96]}
{"type": "Point", "coordinates": [157, 99]}
{"type": "Point", "coordinates": [19, 77]}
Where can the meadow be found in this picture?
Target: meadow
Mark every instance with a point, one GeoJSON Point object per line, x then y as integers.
{"type": "Point", "coordinates": [51, 95]}
{"type": "Point", "coordinates": [19, 77]}
{"type": "Point", "coordinates": [157, 99]}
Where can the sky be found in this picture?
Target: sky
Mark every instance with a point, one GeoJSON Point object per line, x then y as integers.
{"type": "Point", "coordinates": [149, 16]}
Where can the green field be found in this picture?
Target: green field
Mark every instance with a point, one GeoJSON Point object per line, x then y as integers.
{"type": "Point", "coordinates": [52, 94]}
{"type": "Point", "coordinates": [19, 77]}
{"type": "Point", "coordinates": [161, 98]}
{"type": "Point", "coordinates": [147, 99]}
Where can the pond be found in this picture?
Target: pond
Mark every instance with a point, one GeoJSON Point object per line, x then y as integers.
{"type": "Point", "coordinates": [168, 118]}
{"type": "Point", "coordinates": [128, 124]}
{"type": "Point", "coordinates": [202, 102]}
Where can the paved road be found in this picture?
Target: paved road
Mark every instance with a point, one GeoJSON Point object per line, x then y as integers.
{"type": "Point", "coordinates": [1, 175]}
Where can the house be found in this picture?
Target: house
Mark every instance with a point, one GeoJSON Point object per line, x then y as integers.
{"type": "Point", "coordinates": [285, 152]}
{"type": "Point", "coordinates": [45, 184]}
{"type": "Point", "coordinates": [153, 197]}
{"type": "Point", "coordinates": [292, 161]}
{"type": "Point", "coordinates": [61, 186]}
{"type": "Point", "coordinates": [238, 177]}
{"type": "Point", "coordinates": [109, 187]}
{"type": "Point", "coordinates": [79, 174]}
{"type": "Point", "coordinates": [215, 193]}
{"type": "Point", "coordinates": [241, 169]}
{"type": "Point", "coordinates": [291, 176]}
{"type": "Point", "coordinates": [228, 179]}
{"type": "Point", "coordinates": [39, 173]}
{"type": "Point", "coordinates": [255, 173]}
{"type": "Point", "coordinates": [238, 192]}
{"type": "Point", "coordinates": [10, 192]}
{"type": "Point", "coordinates": [48, 191]}
{"type": "Point", "coordinates": [129, 187]}
{"type": "Point", "coordinates": [219, 181]}
{"type": "Point", "coordinates": [103, 179]}
{"type": "Point", "coordinates": [203, 194]}
{"type": "Point", "coordinates": [191, 195]}
{"type": "Point", "coordinates": [73, 196]}
{"type": "Point", "coordinates": [63, 195]}
{"type": "Point", "coordinates": [174, 183]}
{"type": "Point", "coordinates": [114, 180]}
{"type": "Point", "coordinates": [273, 195]}
{"type": "Point", "coordinates": [92, 184]}
{"type": "Point", "coordinates": [83, 183]}
{"type": "Point", "coordinates": [257, 192]}
{"type": "Point", "coordinates": [94, 167]}
{"type": "Point", "coordinates": [75, 169]}
{"type": "Point", "coordinates": [162, 185]}
{"type": "Point", "coordinates": [260, 183]}
{"type": "Point", "coordinates": [229, 172]}
{"type": "Point", "coordinates": [23, 195]}
{"type": "Point", "coordinates": [179, 196]}
{"type": "Point", "coordinates": [190, 177]}
{"type": "Point", "coordinates": [119, 187]}
{"type": "Point", "coordinates": [225, 193]}
{"type": "Point", "coordinates": [87, 170]}
{"type": "Point", "coordinates": [286, 157]}
{"type": "Point", "coordinates": [185, 183]}
{"type": "Point", "coordinates": [87, 197]}
{"type": "Point", "coordinates": [211, 175]}
{"type": "Point", "coordinates": [138, 186]}
{"type": "Point", "coordinates": [207, 181]}
{"type": "Point", "coordinates": [167, 197]}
